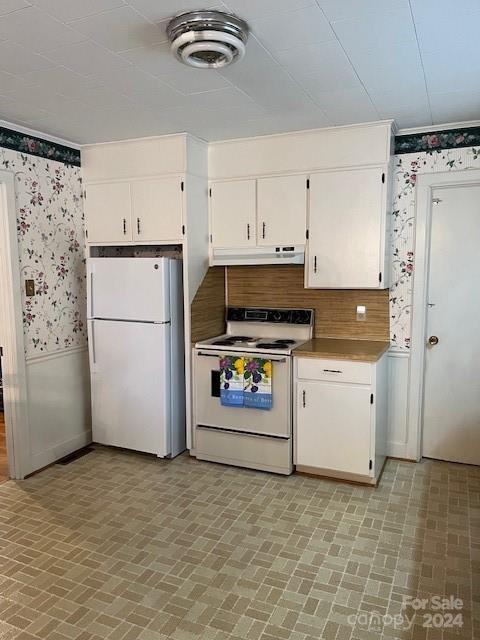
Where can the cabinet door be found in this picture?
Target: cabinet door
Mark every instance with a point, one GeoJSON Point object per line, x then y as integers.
{"type": "Point", "coordinates": [281, 210]}
{"type": "Point", "coordinates": [157, 207]}
{"type": "Point", "coordinates": [108, 212]}
{"type": "Point", "coordinates": [232, 213]}
{"type": "Point", "coordinates": [333, 427]}
{"type": "Point", "coordinates": [346, 229]}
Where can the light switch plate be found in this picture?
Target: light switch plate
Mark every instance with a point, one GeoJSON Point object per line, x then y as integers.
{"type": "Point", "coordinates": [29, 288]}
{"type": "Point", "coordinates": [361, 313]}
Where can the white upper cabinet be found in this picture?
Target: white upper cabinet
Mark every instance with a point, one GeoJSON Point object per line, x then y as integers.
{"type": "Point", "coordinates": [281, 210]}
{"type": "Point", "coordinates": [232, 213]}
{"type": "Point", "coordinates": [157, 209]}
{"type": "Point", "coordinates": [259, 212]}
{"type": "Point", "coordinates": [108, 212]}
{"type": "Point", "coordinates": [137, 210]}
{"type": "Point", "coordinates": [347, 229]}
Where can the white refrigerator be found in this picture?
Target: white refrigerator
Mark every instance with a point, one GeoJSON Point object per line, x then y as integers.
{"type": "Point", "coordinates": [136, 351]}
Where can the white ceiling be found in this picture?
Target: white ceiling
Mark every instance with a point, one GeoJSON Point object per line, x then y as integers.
{"type": "Point", "coordinates": [98, 70]}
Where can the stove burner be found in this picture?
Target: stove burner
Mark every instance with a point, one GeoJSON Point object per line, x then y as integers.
{"type": "Point", "coordinates": [285, 341]}
{"type": "Point", "coordinates": [272, 345]}
{"type": "Point", "coordinates": [228, 343]}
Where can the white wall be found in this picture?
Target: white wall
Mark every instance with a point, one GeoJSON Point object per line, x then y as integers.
{"type": "Point", "coordinates": [58, 390]}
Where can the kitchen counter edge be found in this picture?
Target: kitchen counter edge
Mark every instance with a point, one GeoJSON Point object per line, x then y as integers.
{"type": "Point", "coordinates": [342, 349]}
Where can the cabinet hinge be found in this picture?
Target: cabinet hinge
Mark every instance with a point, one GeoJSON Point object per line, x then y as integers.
{"type": "Point", "coordinates": [86, 233]}
{"type": "Point", "coordinates": [211, 238]}
{"type": "Point", "coordinates": [1, 352]}
{"type": "Point", "coordinates": [371, 398]}
{"type": "Point", "coordinates": [380, 276]}
{"type": "Point", "coordinates": [307, 234]}
{"type": "Point", "coordinates": [383, 178]}
{"type": "Point", "coordinates": [84, 194]}
{"type": "Point", "coordinates": [210, 193]}
{"type": "Point", "coordinates": [182, 185]}
{"type": "Point", "coordinates": [370, 465]}
{"type": "Point", "coordinates": [308, 183]}
{"type": "Point", "coordinates": [183, 229]}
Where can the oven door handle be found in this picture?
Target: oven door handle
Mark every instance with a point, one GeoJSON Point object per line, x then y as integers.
{"type": "Point", "coordinates": [217, 355]}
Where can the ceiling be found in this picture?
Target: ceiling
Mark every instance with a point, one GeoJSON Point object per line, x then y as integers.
{"type": "Point", "coordinates": [99, 70]}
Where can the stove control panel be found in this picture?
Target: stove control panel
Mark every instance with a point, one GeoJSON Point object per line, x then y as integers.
{"type": "Point", "coordinates": [283, 316]}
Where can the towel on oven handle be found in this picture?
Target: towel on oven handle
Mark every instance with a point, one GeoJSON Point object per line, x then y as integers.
{"type": "Point", "coordinates": [231, 381]}
{"type": "Point", "coordinates": [257, 389]}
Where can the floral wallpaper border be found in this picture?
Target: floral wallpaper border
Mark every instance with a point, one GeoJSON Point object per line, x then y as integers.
{"type": "Point", "coordinates": [437, 140]}
{"type": "Point", "coordinates": [17, 141]}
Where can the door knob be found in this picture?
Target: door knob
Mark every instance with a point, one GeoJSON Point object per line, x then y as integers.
{"type": "Point", "coordinates": [433, 340]}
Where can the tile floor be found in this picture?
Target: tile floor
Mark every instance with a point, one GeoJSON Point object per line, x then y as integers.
{"type": "Point", "coordinates": [122, 546]}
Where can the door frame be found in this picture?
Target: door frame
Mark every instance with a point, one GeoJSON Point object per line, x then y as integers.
{"type": "Point", "coordinates": [12, 338]}
{"type": "Point", "coordinates": [426, 183]}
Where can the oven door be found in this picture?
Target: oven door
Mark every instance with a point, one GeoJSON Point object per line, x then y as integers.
{"type": "Point", "coordinates": [209, 412]}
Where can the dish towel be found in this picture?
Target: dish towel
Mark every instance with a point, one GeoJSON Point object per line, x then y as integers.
{"type": "Point", "coordinates": [231, 381]}
{"type": "Point", "coordinates": [258, 383]}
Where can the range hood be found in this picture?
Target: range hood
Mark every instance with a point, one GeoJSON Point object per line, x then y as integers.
{"type": "Point", "coordinates": [258, 255]}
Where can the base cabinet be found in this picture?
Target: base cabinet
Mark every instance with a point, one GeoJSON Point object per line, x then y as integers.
{"type": "Point", "coordinates": [340, 417]}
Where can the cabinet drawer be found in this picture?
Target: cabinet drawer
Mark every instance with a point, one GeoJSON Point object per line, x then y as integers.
{"type": "Point", "coordinates": [244, 450]}
{"type": "Point", "coordinates": [334, 370]}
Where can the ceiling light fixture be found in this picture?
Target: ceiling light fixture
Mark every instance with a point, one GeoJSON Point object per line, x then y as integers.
{"type": "Point", "coordinates": [207, 39]}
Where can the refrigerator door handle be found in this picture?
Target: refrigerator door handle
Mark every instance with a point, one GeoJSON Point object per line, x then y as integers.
{"type": "Point", "coordinates": [91, 294]}
{"type": "Point", "coordinates": [91, 345]}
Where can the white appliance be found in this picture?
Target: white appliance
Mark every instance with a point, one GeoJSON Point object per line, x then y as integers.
{"type": "Point", "coordinates": [243, 436]}
{"type": "Point", "coordinates": [258, 255]}
{"type": "Point", "coordinates": [136, 350]}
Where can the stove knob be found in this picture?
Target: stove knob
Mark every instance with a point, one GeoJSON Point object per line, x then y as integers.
{"type": "Point", "coordinates": [301, 317]}
{"type": "Point", "coordinates": [277, 316]}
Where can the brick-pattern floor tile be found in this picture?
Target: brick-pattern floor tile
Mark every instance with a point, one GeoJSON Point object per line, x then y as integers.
{"type": "Point", "coordinates": [120, 546]}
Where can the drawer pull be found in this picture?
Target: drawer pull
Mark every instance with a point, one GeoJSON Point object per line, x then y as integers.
{"type": "Point", "coordinates": [332, 371]}
{"type": "Point", "coordinates": [304, 398]}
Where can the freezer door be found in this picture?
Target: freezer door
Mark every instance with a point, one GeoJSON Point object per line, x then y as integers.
{"type": "Point", "coordinates": [129, 364]}
{"type": "Point", "coordinates": [129, 288]}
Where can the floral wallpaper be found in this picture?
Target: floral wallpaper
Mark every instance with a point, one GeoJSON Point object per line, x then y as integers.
{"type": "Point", "coordinates": [51, 247]}
{"type": "Point", "coordinates": [407, 167]}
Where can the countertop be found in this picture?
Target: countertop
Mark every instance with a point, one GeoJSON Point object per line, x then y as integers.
{"type": "Point", "coordinates": [342, 349]}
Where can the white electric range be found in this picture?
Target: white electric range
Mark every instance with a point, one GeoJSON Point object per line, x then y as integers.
{"type": "Point", "coordinates": [244, 436]}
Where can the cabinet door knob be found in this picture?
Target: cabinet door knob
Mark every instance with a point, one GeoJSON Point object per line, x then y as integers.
{"type": "Point", "coordinates": [433, 340]}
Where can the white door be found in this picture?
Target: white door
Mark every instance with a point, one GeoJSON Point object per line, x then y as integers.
{"type": "Point", "coordinates": [108, 212]}
{"type": "Point", "coordinates": [157, 207]}
{"type": "Point", "coordinates": [346, 229]}
{"type": "Point", "coordinates": [333, 427]}
{"type": "Point", "coordinates": [233, 213]}
{"type": "Point", "coordinates": [128, 289]}
{"type": "Point", "coordinates": [130, 388]}
{"type": "Point", "coordinates": [451, 416]}
{"type": "Point", "coordinates": [281, 210]}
